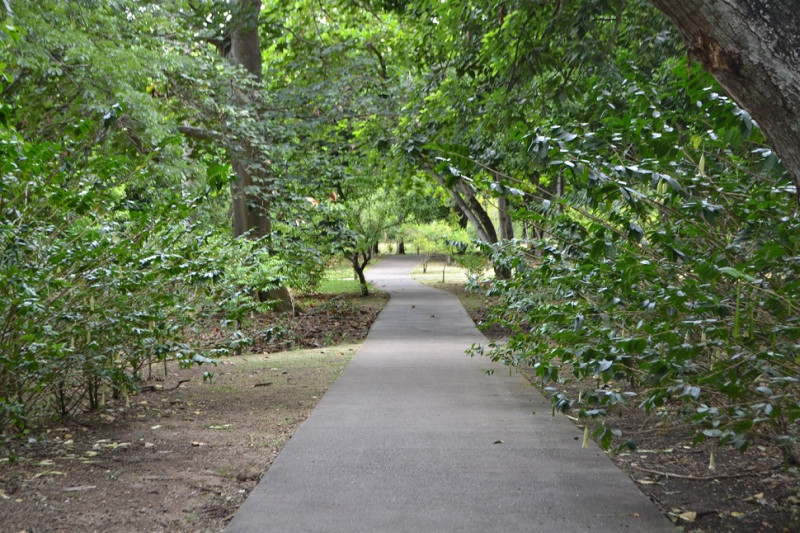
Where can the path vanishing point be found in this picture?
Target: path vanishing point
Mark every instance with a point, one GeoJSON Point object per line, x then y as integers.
{"type": "Point", "coordinates": [415, 436]}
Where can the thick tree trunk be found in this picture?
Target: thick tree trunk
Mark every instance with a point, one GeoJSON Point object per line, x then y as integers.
{"type": "Point", "coordinates": [474, 211]}
{"type": "Point", "coordinates": [752, 47]}
{"type": "Point", "coordinates": [401, 247]}
{"type": "Point", "coordinates": [250, 209]}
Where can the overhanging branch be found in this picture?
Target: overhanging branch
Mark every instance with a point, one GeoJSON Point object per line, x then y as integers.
{"type": "Point", "coordinates": [199, 133]}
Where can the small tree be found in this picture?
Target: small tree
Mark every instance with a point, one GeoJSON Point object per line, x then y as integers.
{"type": "Point", "coordinates": [435, 237]}
{"type": "Point", "coordinates": [366, 218]}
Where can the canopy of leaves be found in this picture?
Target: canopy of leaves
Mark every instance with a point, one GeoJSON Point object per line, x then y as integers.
{"type": "Point", "coordinates": [663, 255]}
{"type": "Point", "coordinates": [659, 234]}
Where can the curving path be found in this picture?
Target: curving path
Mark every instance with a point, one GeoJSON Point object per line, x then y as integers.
{"type": "Point", "coordinates": [415, 436]}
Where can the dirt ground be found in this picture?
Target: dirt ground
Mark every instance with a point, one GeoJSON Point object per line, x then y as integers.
{"type": "Point", "coordinates": [184, 455]}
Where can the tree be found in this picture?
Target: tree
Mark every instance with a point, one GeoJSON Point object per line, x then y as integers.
{"type": "Point", "coordinates": [665, 243]}
{"type": "Point", "coordinates": [366, 218]}
{"type": "Point", "coordinates": [751, 48]}
{"type": "Point", "coordinates": [249, 203]}
{"type": "Point", "coordinates": [111, 253]}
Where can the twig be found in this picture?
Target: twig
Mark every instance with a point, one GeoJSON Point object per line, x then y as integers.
{"type": "Point", "coordinates": [695, 478]}
{"type": "Point", "coordinates": [206, 489]}
{"type": "Point", "coordinates": [154, 389]}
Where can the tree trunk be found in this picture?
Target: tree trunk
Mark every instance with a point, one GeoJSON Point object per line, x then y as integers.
{"type": "Point", "coordinates": [474, 211]}
{"type": "Point", "coordinates": [752, 47]}
{"type": "Point", "coordinates": [358, 268]}
{"type": "Point", "coordinates": [478, 212]}
{"type": "Point", "coordinates": [463, 206]}
{"type": "Point", "coordinates": [250, 209]}
{"type": "Point", "coordinates": [401, 247]}
{"type": "Point", "coordinates": [463, 221]}
{"type": "Point", "coordinates": [504, 221]}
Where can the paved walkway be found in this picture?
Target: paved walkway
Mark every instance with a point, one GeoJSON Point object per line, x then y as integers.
{"type": "Point", "coordinates": [415, 437]}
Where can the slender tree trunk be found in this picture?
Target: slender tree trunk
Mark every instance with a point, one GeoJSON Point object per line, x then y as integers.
{"type": "Point", "coordinates": [466, 209]}
{"type": "Point", "coordinates": [505, 224]}
{"type": "Point", "coordinates": [752, 47]}
{"type": "Point", "coordinates": [358, 268]}
{"type": "Point", "coordinates": [463, 221]}
{"type": "Point", "coordinates": [479, 212]}
{"type": "Point", "coordinates": [401, 247]}
{"type": "Point", "coordinates": [250, 208]}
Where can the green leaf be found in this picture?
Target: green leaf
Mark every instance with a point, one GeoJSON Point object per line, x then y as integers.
{"type": "Point", "coordinates": [734, 273]}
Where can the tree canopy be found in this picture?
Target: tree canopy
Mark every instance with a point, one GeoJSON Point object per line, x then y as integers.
{"type": "Point", "coordinates": [616, 160]}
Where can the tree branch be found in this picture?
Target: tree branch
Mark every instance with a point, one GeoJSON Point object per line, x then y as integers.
{"type": "Point", "coordinates": [382, 74]}
{"type": "Point", "coordinates": [199, 133]}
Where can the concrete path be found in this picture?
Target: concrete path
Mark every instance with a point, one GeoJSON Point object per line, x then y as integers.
{"type": "Point", "coordinates": [414, 436]}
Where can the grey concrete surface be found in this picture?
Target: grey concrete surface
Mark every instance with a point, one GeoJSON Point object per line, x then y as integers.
{"type": "Point", "coordinates": [415, 436]}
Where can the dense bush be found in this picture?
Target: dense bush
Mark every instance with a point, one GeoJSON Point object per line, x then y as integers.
{"type": "Point", "coordinates": [107, 250]}
{"type": "Point", "coordinates": [94, 291]}
{"type": "Point", "coordinates": [671, 274]}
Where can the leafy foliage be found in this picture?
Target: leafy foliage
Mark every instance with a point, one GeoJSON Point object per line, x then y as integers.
{"type": "Point", "coordinates": [657, 248]}
{"type": "Point", "coordinates": [662, 262]}
{"type": "Point", "coordinates": [105, 261]}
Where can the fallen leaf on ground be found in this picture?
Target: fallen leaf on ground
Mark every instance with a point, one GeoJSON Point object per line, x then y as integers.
{"type": "Point", "coordinates": [49, 473]}
{"type": "Point", "coordinates": [79, 488]}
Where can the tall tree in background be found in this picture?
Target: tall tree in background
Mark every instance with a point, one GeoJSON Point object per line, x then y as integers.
{"type": "Point", "coordinates": [249, 202]}
{"type": "Point", "coordinates": [752, 47]}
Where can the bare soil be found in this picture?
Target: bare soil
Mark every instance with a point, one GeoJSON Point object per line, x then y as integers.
{"type": "Point", "coordinates": [183, 454]}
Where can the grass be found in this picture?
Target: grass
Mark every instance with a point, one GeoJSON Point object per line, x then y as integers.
{"type": "Point", "coordinates": [340, 280]}
{"type": "Point", "coordinates": [440, 272]}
